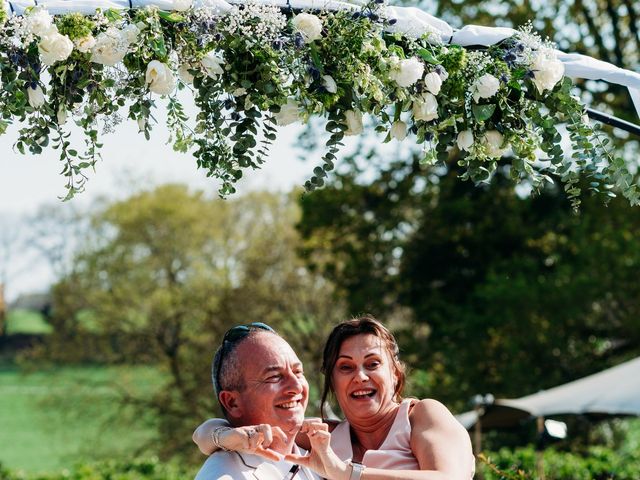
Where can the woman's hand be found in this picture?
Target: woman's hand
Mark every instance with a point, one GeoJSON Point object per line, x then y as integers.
{"type": "Point", "coordinates": [321, 459]}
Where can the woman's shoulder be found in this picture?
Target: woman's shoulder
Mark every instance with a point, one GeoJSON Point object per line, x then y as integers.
{"type": "Point", "coordinates": [429, 412]}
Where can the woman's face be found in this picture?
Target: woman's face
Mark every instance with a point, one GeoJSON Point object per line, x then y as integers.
{"type": "Point", "coordinates": [364, 378]}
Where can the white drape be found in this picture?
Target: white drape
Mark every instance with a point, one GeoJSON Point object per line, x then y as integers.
{"type": "Point", "coordinates": [411, 21]}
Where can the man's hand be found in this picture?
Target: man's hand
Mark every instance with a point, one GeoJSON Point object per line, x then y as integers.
{"type": "Point", "coordinates": [254, 439]}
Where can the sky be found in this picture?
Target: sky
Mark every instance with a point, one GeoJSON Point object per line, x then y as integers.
{"type": "Point", "coordinates": [130, 163]}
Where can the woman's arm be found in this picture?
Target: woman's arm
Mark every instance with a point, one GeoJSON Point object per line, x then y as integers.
{"type": "Point", "coordinates": [439, 442]}
{"type": "Point", "coordinates": [250, 439]}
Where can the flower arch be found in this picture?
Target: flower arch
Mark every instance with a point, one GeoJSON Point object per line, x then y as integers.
{"type": "Point", "coordinates": [256, 65]}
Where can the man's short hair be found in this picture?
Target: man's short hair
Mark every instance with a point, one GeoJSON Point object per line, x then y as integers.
{"type": "Point", "coordinates": [226, 368]}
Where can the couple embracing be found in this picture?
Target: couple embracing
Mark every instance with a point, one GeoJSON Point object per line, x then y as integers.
{"type": "Point", "coordinates": [260, 384]}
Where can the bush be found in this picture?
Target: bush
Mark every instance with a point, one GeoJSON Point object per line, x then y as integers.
{"type": "Point", "coordinates": [138, 469]}
{"type": "Point", "coordinates": [596, 463]}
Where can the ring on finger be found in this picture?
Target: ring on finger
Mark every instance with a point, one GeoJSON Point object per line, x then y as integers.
{"type": "Point", "coordinates": [251, 433]}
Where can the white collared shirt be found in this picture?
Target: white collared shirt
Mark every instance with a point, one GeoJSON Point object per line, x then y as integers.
{"type": "Point", "coordinates": [243, 466]}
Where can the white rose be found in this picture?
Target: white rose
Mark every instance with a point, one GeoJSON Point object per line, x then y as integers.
{"type": "Point", "coordinates": [354, 122]}
{"type": "Point", "coordinates": [61, 115]}
{"type": "Point", "coordinates": [182, 5]}
{"type": "Point", "coordinates": [493, 141]}
{"type": "Point", "coordinates": [130, 33]}
{"type": "Point", "coordinates": [39, 22]}
{"type": "Point", "coordinates": [433, 82]}
{"type": "Point", "coordinates": [407, 72]}
{"type": "Point", "coordinates": [184, 73]}
{"type": "Point", "coordinates": [308, 25]}
{"type": "Point", "coordinates": [55, 48]}
{"type": "Point", "coordinates": [160, 78]}
{"type": "Point", "coordinates": [36, 96]}
{"type": "Point", "coordinates": [85, 44]}
{"type": "Point", "coordinates": [425, 107]}
{"type": "Point", "coordinates": [329, 84]}
{"type": "Point", "coordinates": [288, 113]}
{"type": "Point", "coordinates": [484, 87]}
{"type": "Point", "coordinates": [399, 130]}
{"type": "Point", "coordinates": [212, 64]}
{"type": "Point", "coordinates": [443, 73]}
{"type": "Point", "coordinates": [110, 48]}
{"type": "Point", "coordinates": [546, 72]}
{"type": "Point", "coordinates": [465, 140]}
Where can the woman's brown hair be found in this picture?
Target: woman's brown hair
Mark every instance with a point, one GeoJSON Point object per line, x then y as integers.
{"type": "Point", "coordinates": [366, 324]}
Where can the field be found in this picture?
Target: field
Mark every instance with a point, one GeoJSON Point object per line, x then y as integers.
{"type": "Point", "coordinates": [52, 419]}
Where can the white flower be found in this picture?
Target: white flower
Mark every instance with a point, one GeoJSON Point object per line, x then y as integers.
{"type": "Point", "coordinates": [39, 22]}
{"type": "Point", "coordinates": [493, 141]}
{"type": "Point", "coordinates": [54, 47]}
{"type": "Point", "coordinates": [212, 64]}
{"type": "Point", "coordinates": [407, 72]}
{"type": "Point", "coordinates": [308, 25]}
{"type": "Point", "coordinates": [61, 115]}
{"type": "Point", "coordinates": [182, 5]}
{"type": "Point", "coordinates": [85, 44]}
{"type": "Point", "coordinates": [142, 122]}
{"type": "Point", "coordinates": [546, 72]}
{"type": "Point", "coordinates": [160, 78]}
{"type": "Point", "coordinates": [425, 107]}
{"type": "Point", "coordinates": [329, 84]}
{"type": "Point", "coordinates": [288, 113]}
{"type": "Point", "coordinates": [484, 87]}
{"type": "Point", "coordinates": [399, 130]}
{"type": "Point", "coordinates": [353, 119]}
{"type": "Point", "coordinates": [184, 73]}
{"type": "Point", "coordinates": [110, 48]}
{"type": "Point", "coordinates": [465, 140]}
{"type": "Point", "coordinates": [433, 82]}
{"type": "Point", "coordinates": [238, 92]}
{"type": "Point", "coordinates": [443, 73]}
{"type": "Point", "coordinates": [130, 33]}
{"type": "Point", "coordinates": [36, 96]}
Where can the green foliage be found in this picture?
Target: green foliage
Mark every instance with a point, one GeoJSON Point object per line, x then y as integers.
{"type": "Point", "coordinates": [594, 463]}
{"type": "Point", "coordinates": [462, 272]}
{"type": "Point", "coordinates": [137, 469]}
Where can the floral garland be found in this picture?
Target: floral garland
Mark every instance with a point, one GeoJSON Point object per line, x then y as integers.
{"type": "Point", "coordinates": [255, 67]}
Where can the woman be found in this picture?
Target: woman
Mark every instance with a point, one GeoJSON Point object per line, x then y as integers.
{"type": "Point", "coordinates": [383, 436]}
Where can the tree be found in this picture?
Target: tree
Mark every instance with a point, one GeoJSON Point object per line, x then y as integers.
{"type": "Point", "coordinates": [166, 272]}
{"type": "Point", "coordinates": [488, 291]}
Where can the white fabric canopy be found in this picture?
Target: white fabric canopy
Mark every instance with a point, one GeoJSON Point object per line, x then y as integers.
{"type": "Point", "coordinates": [410, 21]}
{"type": "Point", "coordinates": [615, 391]}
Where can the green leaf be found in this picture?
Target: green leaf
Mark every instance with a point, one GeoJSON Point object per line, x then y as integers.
{"type": "Point", "coordinates": [427, 56]}
{"type": "Point", "coordinates": [170, 16]}
{"type": "Point", "coordinates": [483, 112]}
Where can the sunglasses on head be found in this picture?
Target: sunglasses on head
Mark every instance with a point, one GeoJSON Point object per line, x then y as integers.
{"type": "Point", "coordinates": [231, 337]}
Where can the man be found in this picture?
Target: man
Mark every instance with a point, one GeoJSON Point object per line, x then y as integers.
{"type": "Point", "coordinates": [258, 380]}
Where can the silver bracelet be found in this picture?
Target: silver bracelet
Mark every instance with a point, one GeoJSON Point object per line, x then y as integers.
{"type": "Point", "coordinates": [215, 437]}
{"type": "Point", "coordinates": [357, 469]}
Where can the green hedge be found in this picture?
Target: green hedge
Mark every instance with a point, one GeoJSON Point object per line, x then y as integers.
{"type": "Point", "coordinates": [139, 469]}
{"type": "Point", "coordinates": [597, 463]}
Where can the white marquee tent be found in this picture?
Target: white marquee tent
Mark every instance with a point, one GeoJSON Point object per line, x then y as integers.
{"type": "Point", "coordinates": [615, 391]}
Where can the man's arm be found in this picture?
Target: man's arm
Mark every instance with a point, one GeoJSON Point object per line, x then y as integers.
{"type": "Point", "coordinates": [254, 439]}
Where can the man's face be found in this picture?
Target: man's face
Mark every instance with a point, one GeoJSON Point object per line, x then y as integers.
{"type": "Point", "coordinates": [275, 389]}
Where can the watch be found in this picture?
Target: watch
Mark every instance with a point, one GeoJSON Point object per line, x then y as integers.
{"type": "Point", "coordinates": [356, 470]}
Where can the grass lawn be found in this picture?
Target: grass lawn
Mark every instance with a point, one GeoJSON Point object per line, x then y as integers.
{"type": "Point", "coordinates": [26, 321]}
{"type": "Point", "coordinates": [51, 419]}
